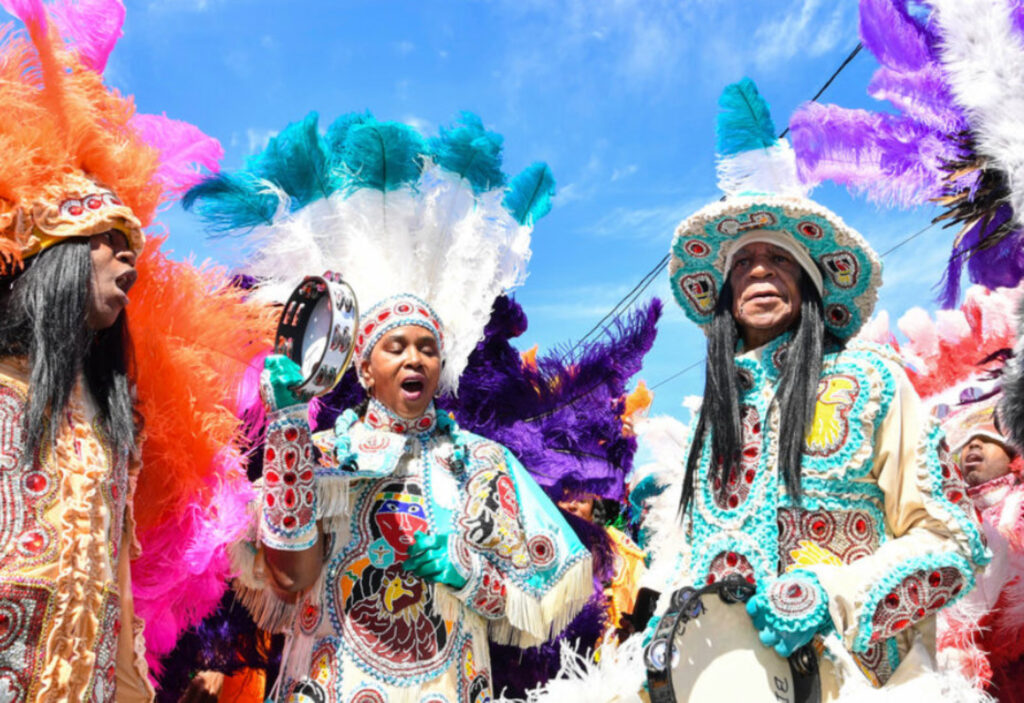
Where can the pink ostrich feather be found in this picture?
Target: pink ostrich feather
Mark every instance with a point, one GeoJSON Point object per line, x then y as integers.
{"type": "Point", "coordinates": [90, 27]}
{"type": "Point", "coordinates": [184, 150]}
{"type": "Point", "coordinates": [184, 568]}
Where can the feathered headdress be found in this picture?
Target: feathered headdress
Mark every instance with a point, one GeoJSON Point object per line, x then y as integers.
{"type": "Point", "coordinates": [766, 202]}
{"type": "Point", "coordinates": [77, 159]}
{"type": "Point", "coordinates": [391, 211]}
{"type": "Point", "coordinates": [956, 79]}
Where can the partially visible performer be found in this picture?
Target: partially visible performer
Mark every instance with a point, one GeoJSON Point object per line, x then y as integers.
{"type": "Point", "coordinates": [392, 547]}
{"type": "Point", "coordinates": [814, 473]}
{"type": "Point", "coordinates": [984, 635]}
{"type": "Point", "coordinates": [68, 461]}
{"type": "Point", "coordinates": [81, 175]}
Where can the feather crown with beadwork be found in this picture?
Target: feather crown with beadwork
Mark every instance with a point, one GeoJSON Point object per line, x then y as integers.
{"type": "Point", "coordinates": [393, 212]}
{"type": "Point", "coordinates": [766, 201]}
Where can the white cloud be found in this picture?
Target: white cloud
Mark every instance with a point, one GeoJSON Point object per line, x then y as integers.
{"type": "Point", "coordinates": [404, 47]}
{"type": "Point", "coordinates": [624, 172]}
{"type": "Point", "coordinates": [420, 124]}
{"type": "Point", "coordinates": [655, 223]}
{"type": "Point", "coordinates": [257, 138]}
{"type": "Point", "coordinates": [808, 28]}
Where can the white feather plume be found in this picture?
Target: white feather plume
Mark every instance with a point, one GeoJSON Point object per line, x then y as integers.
{"type": "Point", "coordinates": [435, 239]}
{"type": "Point", "coordinates": [984, 59]}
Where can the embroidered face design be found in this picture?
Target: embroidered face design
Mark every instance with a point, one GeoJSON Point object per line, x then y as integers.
{"type": "Point", "coordinates": [842, 268]}
{"type": "Point", "coordinates": [700, 291]}
{"type": "Point", "coordinates": [399, 517]}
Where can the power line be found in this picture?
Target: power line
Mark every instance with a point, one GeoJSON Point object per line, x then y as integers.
{"type": "Point", "coordinates": [633, 295]}
{"type": "Point", "coordinates": [885, 253]}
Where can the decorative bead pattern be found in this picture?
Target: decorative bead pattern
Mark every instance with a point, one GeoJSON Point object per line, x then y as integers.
{"type": "Point", "coordinates": [24, 607]}
{"type": "Point", "coordinates": [288, 516]}
{"type": "Point", "coordinates": [913, 590]}
{"type": "Point", "coordinates": [852, 271]}
{"type": "Point", "coordinates": [798, 602]}
{"type": "Point", "coordinates": [916, 597]}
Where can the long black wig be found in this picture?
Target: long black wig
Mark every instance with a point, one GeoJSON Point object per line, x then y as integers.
{"type": "Point", "coordinates": [796, 396]}
{"type": "Point", "coordinates": [43, 319]}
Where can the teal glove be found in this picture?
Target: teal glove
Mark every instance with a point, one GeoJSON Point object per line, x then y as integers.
{"type": "Point", "coordinates": [429, 559]}
{"type": "Point", "coordinates": [280, 375]}
{"type": "Point", "coordinates": [791, 612]}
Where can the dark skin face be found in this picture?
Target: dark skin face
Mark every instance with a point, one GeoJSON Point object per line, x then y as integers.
{"type": "Point", "coordinates": [765, 281]}
{"type": "Point", "coordinates": [113, 275]}
{"type": "Point", "coordinates": [580, 507]}
{"type": "Point", "coordinates": [984, 460]}
{"type": "Point", "coordinates": [403, 370]}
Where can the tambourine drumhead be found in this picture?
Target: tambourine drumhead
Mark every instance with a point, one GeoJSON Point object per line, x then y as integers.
{"type": "Point", "coordinates": [317, 330]}
{"type": "Point", "coordinates": [720, 658]}
{"type": "Point", "coordinates": [315, 336]}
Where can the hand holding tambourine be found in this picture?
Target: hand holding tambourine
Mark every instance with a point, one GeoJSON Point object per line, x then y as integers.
{"type": "Point", "coordinates": [314, 341]}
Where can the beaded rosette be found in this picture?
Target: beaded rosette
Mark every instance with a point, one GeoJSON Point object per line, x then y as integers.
{"type": "Point", "coordinates": [852, 271]}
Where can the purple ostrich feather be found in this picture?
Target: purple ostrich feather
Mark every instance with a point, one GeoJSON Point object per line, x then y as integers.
{"type": "Point", "coordinates": [562, 418]}
{"type": "Point", "coordinates": [908, 158]}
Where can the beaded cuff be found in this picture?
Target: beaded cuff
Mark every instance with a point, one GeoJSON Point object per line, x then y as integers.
{"type": "Point", "coordinates": [288, 499]}
{"type": "Point", "coordinates": [797, 603]}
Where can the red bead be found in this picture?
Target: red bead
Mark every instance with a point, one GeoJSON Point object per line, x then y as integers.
{"type": "Point", "coordinates": [270, 454]}
{"type": "Point", "coordinates": [289, 498]}
{"type": "Point", "coordinates": [892, 600]}
{"type": "Point", "coordinates": [271, 500]}
{"type": "Point", "coordinates": [289, 459]}
{"type": "Point", "coordinates": [795, 591]}
{"type": "Point", "coordinates": [711, 578]}
{"type": "Point", "coordinates": [749, 476]}
{"type": "Point", "coordinates": [306, 476]}
{"type": "Point", "coordinates": [860, 525]}
{"type": "Point", "coordinates": [818, 526]}
{"type": "Point", "coordinates": [272, 478]}
{"type": "Point", "coordinates": [732, 559]}
{"type": "Point", "coordinates": [934, 579]}
{"type": "Point", "coordinates": [75, 210]}
{"type": "Point", "coordinates": [94, 203]}
{"type": "Point", "coordinates": [290, 478]}
{"type": "Point", "coordinates": [36, 482]}
{"type": "Point", "coordinates": [955, 497]}
{"type": "Point", "coordinates": [289, 521]}
{"type": "Point", "coordinates": [733, 501]}
{"type": "Point", "coordinates": [291, 434]}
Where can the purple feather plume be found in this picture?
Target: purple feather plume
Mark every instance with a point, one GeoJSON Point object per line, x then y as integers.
{"type": "Point", "coordinates": [921, 153]}
{"type": "Point", "coordinates": [562, 418]}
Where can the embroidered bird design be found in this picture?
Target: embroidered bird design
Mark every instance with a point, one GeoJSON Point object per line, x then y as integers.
{"type": "Point", "coordinates": [830, 426]}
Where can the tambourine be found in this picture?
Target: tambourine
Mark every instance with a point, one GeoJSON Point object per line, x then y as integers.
{"type": "Point", "coordinates": [317, 331]}
{"type": "Point", "coordinates": [707, 649]}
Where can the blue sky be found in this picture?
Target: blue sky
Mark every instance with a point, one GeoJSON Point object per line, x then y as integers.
{"type": "Point", "coordinates": [618, 96]}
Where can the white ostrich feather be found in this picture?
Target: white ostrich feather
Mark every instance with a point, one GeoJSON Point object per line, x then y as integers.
{"type": "Point", "coordinates": [983, 55]}
{"type": "Point", "coordinates": [435, 239]}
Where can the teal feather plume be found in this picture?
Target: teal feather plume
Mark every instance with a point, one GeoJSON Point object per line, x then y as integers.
{"type": "Point", "coordinates": [471, 151]}
{"type": "Point", "coordinates": [232, 201]}
{"type": "Point", "coordinates": [296, 161]}
{"type": "Point", "coordinates": [744, 120]}
{"type": "Point", "coordinates": [334, 140]}
{"type": "Point", "coordinates": [382, 155]}
{"type": "Point", "coordinates": [530, 193]}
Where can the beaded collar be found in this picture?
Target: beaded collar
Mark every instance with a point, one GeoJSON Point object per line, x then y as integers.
{"type": "Point", "coordinates": [771, 356]}
{"type": "Point", "coordinates": [380, 417]}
